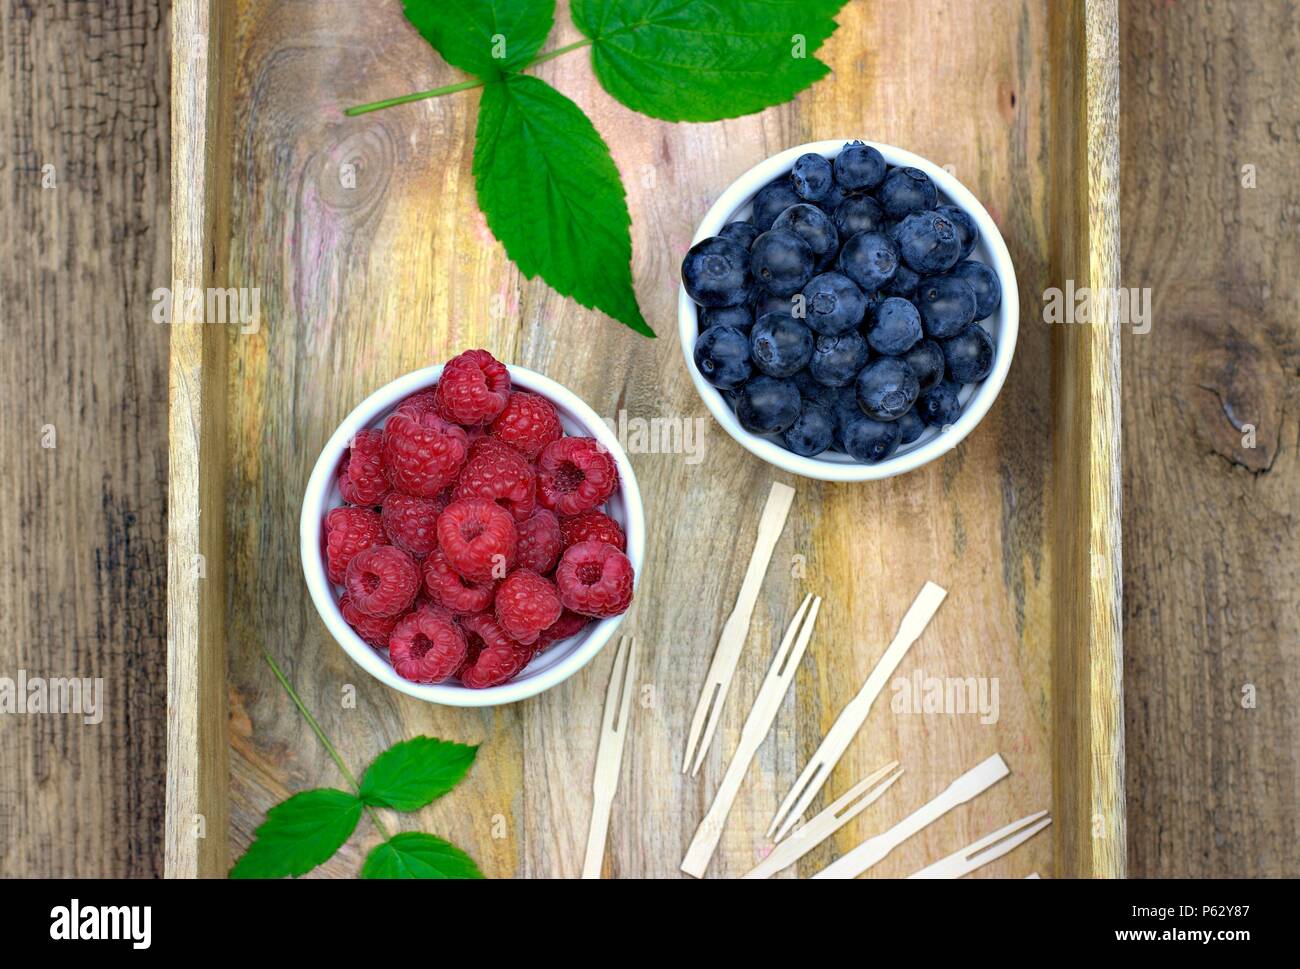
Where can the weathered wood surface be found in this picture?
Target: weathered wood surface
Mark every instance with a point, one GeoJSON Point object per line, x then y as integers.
{"type": "Point", "coordinates": [362, 284]}
{"type": "Point", "coordinates": [1212, 557]}
{"type": "Point", "coordinates": [83, 243]}
{"type": "Point", "coordinates": [1210, 568]}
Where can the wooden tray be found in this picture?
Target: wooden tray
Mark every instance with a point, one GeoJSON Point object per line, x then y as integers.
{"type": "Point", "coordinates": [358, 285]}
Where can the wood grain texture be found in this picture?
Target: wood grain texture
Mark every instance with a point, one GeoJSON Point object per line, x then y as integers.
{"type": "Point", "coordinates": [83, 243]}
{"type": "Point", "coordinates": [197, 744]}
{"type": "Point", "coordinates": [362, 283]}
{"type": "Point", "coordinates": [1212, 563]}
{"type": "Point", "coordinates": [1088, 767]}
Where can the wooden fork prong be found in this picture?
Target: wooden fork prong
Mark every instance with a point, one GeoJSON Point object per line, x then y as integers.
{"type": "Point", "coordinates": [613, 720]}
{"type": "Point", "coordinates": [1005, 839]}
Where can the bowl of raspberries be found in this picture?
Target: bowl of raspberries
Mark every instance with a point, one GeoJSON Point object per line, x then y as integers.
{"type": "Point", "coordinates": [848, 310]}
{"type": "Point", "coordinates": [472, 533]}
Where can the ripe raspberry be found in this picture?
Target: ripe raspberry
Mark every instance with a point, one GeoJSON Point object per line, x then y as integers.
{"type": "Point", "coordinates": [502, 475]}
{"type": "Point", "coordinates": [475, 646]}
{"type": "Point", "coordinates": [375, 630]}
{"type": "Point", "coordinates": [422, 456]}
{"type": "Point", "coordinates": [474, 388]}
{"type": "Point", "coordinates": [575, 474]}
{"type": "Point", "coordinates": [426, 646]}
{"type": "Point", "coordinates": [497, 657]}
{"type": "Point", "coordinates": [592, 526]}
{"type": "Point", "coordinates": [483, 444]}
{"type": "Point", "coordinates": [382, 580]}
{"type": "Point", "coordinates": [419, 403]}
{"type": "Point", "coordinates": [483, 631]}
{"type": "Point", "coordinates": [409, 523]}
{"type": "Point", "coordinates": [441, 502]}
{"type": "Point", "coordinates": [569, 624]}
{"type": "Point", "coordinates": [528, 423]}
{"type": "Point", "coordinates": [595, 579]}
{"type": "Point", "coordinates": [526, 604]}
{"type": "Point", "coordinates": [540, 542]}
{"type": "Point", "coordinates": [347, 532]}
{"type": "Point", "coordinates": [364, 468]}
{"type": "Point", "coordinates": [479, 538]}
{"type": "Point", "coordinates": [346, 488]}
{"type": "Point", "coordinates": [445, 586]}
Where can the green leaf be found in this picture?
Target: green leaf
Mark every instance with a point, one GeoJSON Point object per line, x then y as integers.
{"type": "Point", "coordinates": [552, 195]}
{"type": "Point", "coordinates": [409, 775]}
{"type": "Point", "coordinates": [300, 834]}
{"type": "Point", "coordinates": [483, 37]}
{"type": "Point", "coordinates": [702, 60]}
{"type": "Point", "coordinates": [413, 854]}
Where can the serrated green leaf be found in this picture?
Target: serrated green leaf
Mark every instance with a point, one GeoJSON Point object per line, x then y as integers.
{"type": "Point", "coordinates": [413, 854]}
{"type": "Point", "coordinates": [703, 60]}
{"type": "Point", "coordinates": [483, 37]}
{"type": "Point", "coordinates": [299, 834]}
{"type": "Point", "coordinates": [553, 197]}
{"type": "Point", "coordinates": [409, 775]}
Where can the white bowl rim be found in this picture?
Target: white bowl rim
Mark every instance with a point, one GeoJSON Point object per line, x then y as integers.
{"type": "Point", "coordinates": [311, 526]}
{"type": "Point", "coordinates": [736, 195]}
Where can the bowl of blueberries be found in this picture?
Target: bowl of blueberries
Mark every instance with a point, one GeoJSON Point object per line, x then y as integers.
{"type": "Point", "coordinates": [848, 311]}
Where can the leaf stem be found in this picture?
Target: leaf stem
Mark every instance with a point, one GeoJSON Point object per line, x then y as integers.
{"type": "Point", "coordinates": [325, 741]}
{"type": "Point", "coordinates": [417, 96]}
{"type": "Point", "coordinates": [540, 58]}
{"type": "Point", "coordinates": [459, 86]}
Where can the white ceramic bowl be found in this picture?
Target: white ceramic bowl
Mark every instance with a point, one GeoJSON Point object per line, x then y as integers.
{"type": "Point", "coordinates": [555, 665]}
{"type": "Point", "coordinates": [976, 399]}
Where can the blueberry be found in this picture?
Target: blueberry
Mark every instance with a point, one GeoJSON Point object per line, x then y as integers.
{"type": "Point", "coordinates": [780, 346]}
{"type": "Point", "coordinates": [716, 272]}
{"type": "Point", "coordinates": [858, 213]}
{"type": "Point", "coordinates": [969, 355]}
{"type": "Point", "coordinates": [771, 303]}
{"type": "Point", "coordinates": [940, 406]}
{"type": "Point", "coordinates": [983, 281]}
{"type": "Point", "coordinates": [870, 259]}
{"type": "Point", "coordinates": [946, 304]}
{"type": "Point", "coordinates": [833, 199]}
{"type": "Point", "coordinates": [722, 357]}
{"type": "Point", "coordinates": [836, 360]}
{"type": "Point", "coordinates": [833, 304]}
{"type": "Point", "coordinates": [896, 327]}
{"type": "Point", "coordinates": [741, 317]}
{"type": "Point", "coordinates": [869, 441]}
{"type": "Point", "coordinates": [781, 261]}
{"type": "Point", "coordinates": [859, 167]}
{"type": "Point", "coordinates": [773, 199]}
{"type": "Point", "coordinates": [928, 242]}
{"type": "Point", "coordinates": [926, 361]}
{"type": "Point", "coordinates": [812, 431]}
{"type": "Point", "coordinates": [886, 388]}
{"type": "Point", "coordinates": [814, 227]}
{"type": "Point", "coordinates": [967, 230]}
{"type": "Point", "coordinates": [843, 404]}
{"type": "Point", "coordinates": [811, 177]}
{"type": "Point", "coordinates": [809, 388]}
{"type": "Point", "coordinates": [903, 283]}
{"type": "Point", "coordinates": [906, 190]}
{"type": "Point", "coordinates": [767, 405]}
{"type": "Point", "coordinates": [911, 427]}
{"type": "Point", "coordinates": [743, 233]}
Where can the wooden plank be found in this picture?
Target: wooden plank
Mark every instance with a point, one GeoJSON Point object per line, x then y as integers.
{"type": "Point", "coordinates": [83, 244]}
{"type": "Point", "coordinates": [1212, 562]}
{"type": "Point", "coordinates": [977, 522]}
{"type": "Point", "coordinates": [360, 284]}
{"type": "Point", "coordinates": [1088, 772]}
{"type": "Point", "coordinates": [197, 744]}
